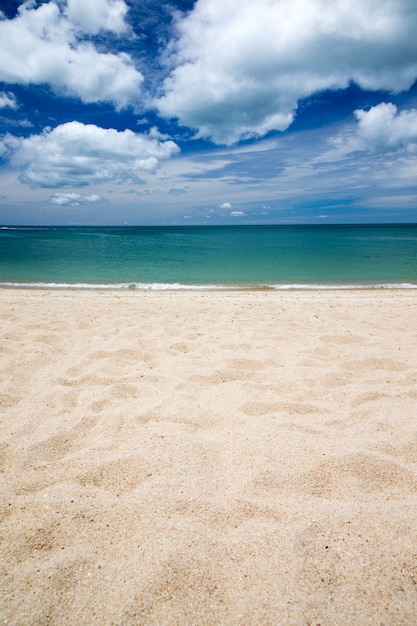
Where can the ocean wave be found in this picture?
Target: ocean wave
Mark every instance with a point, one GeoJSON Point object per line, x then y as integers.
{"type": "Point", "coordinates": [24, 228]}
{"type": "Point", "coordinates": [203, 287]}
{"type": "Point", "coordinates": [129, 286]}
{"type": "Point", "coordinates": [346, 286]}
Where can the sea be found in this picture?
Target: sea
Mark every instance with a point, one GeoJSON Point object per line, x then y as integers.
{"type": "Point", "coordinates": [209, 257]}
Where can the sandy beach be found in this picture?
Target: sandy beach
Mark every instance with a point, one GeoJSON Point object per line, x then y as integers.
{"type": "Point", "coordinates": [208, 458]}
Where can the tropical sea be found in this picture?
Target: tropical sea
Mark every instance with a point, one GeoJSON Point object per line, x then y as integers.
{"type": "Point", "coordinates": [204, 257]}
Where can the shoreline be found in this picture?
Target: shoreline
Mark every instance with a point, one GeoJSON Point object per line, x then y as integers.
{"type": "Point", "coordinates": [208, 457]}
{"type": "Point", "coordinates": [221, 288]}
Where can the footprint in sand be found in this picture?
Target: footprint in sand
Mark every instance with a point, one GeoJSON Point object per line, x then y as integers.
{"type": "Point", "coordinates": [60, 445]}
{"type": "Point", "coordinates": [116, 476]}
{"type": "Point", "coordinates": [358, 476]}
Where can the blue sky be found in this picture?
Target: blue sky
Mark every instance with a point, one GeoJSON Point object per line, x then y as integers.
{"type": "Point", "coordinates": [208, 112]}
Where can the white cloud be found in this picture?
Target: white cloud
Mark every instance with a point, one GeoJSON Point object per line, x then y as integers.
{"type": "Point", "coordinates": [383, 128]}
{"type": "Point", "coordinates": [73, 199]}
{"type": "Point", "coordinates": [7, 100]}
{"type": "Point", "coordinates": [94, 15]}
{"type": "Point", "coordinates": [237, 213]}
{"type": "Point", "coordinates": [240, 67]}
{"type": "Point", "coordinates": [225, 205]}
{"type": "Point", "coordinates": [76, 155]}
{"type": "Point", "coordinates": [47, 45]}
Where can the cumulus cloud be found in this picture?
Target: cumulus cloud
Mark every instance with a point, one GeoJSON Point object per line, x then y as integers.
{"type": "Point", "coordinates": [383, 128]}
{"type": "Point", "coordinates": [240, 67]}
{"type": "Point", "coordinates": [96, 15]}
{"type": "Point", "coordinates": [49, 44]}
{"type": "Point", "coordinates": [73, 199]}
{"type": "Point", "coordinates": [225, 205]}
{"type": "Point", "coordinates": [237, 213]}
{"type": "Point", "coordinates": [7, 100]}
{"type": "Point", "coordinates": [76, 155]}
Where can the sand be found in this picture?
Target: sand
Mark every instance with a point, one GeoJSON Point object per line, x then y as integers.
{"type": "Point", "coordinates": [208, 458]}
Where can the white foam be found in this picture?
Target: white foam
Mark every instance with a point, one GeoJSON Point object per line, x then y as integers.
{"type": "Point", "coordinates": [347, 286]}
{"type": "Point", "coordinates": [204, 287]}
{"type": "Point", "coordinates": [132, 286]}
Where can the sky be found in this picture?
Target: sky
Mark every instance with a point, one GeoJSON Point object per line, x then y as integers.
{"type": "Point", "coordinates": [208, 111]}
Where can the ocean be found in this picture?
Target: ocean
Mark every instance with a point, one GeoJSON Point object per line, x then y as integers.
{"type": "Point", "coordinates": [202, 257]}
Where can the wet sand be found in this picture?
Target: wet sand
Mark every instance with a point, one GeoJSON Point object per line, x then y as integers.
{"type": "Point", "coordinates": [213, 458]}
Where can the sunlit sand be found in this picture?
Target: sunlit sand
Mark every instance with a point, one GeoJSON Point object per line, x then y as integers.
{"type": "Point", "coordinates": [208, 458]}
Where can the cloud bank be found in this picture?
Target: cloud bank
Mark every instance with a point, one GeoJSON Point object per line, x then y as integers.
{"type": "Point", "coordinates": [240, 67]}
{"type": "Point", "coordinates": [76, 155]}
{"type": "Point", "coordinates": [51, 45]}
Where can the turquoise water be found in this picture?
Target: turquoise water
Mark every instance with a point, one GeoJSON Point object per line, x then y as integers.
{"type": "Point", "coordinates": [199, 257]}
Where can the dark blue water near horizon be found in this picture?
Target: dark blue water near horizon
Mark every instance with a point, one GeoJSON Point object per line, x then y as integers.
{"type": "Point", "coordinates": [162, 257]}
